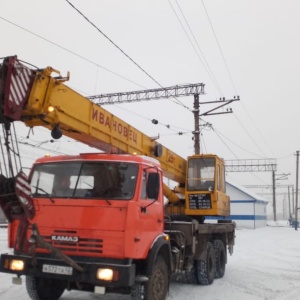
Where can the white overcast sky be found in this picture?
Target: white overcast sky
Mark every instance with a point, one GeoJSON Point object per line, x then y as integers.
{"type": "Point", "coordinates": [248, 48]}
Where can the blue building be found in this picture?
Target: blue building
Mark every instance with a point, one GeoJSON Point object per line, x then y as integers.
{"type": "Point", "coordinates": [247, 209]}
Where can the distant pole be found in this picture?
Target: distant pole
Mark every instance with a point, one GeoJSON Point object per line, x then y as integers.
{"type": "Point", "coordinates": [197, 125]}
{"type": "Point", "coordinates": [289, 199]}
{"type": "Point", "coordinates": [274, 196]}
{"type": "Point", "coordinates": [293, 199]}
{"type": "Point", "coordinates": [283, 208]}
{"type": "Point", "coordinates": [296, 206]}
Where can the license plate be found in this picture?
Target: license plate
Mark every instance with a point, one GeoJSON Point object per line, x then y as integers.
{"type": "Point", "coordinates": [57, 269]}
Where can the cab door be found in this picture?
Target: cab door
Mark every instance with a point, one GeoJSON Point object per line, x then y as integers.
{"type": "Point", "coordinates": [152, 206]}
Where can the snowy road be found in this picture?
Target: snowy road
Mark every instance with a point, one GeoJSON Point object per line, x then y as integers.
{"type": "Point", "coordinates": [265, 265]}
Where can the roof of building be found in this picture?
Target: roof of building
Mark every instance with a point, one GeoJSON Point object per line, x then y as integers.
{"type": "Point", "coordinates": [247, 192]}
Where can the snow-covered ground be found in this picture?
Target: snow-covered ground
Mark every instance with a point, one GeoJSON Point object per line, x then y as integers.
{"type": "Point", "coordinates": [265, 265]}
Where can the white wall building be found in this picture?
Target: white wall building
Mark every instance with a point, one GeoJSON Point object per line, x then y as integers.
{"type": "Point", "coordinates": [247, 210]}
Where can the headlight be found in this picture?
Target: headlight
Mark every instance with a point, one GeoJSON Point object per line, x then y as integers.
{"type": "Point", "coordinates": [16, 265]}
{"type": "Point", "coordinates": [50, 109]}
{"type": "Point", "coordinates": [105, 274]}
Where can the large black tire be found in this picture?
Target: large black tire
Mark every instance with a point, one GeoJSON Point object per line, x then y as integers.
{"type": "Point", "coordinates": [44, 288]}
{"type": "Point", "coordinates": [220, 253]}
{"type": "Point", "coordinates": [156, 287]}
{"type": "Point", "coordinates": [206, 268]}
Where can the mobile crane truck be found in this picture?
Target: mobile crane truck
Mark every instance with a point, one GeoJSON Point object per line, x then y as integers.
{"type": "Point", "coordinates": [97, 222]}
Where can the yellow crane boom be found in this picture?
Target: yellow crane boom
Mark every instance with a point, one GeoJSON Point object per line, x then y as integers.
{"type": "Point", "coordinates": [52, 104]}
{"type": "Point", "coordinates": [37, 98]}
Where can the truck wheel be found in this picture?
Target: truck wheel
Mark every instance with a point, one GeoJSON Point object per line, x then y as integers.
{"type": "Point", "coordinates": [206, 268]}
{"type": "Point", "coordinates": [44, 288]}
{"type": "Point", "coordinates": [156, 287]}
{"type": "Point", "coordinates": [220, 253]}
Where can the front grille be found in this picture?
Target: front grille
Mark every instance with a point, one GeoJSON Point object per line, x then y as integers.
{"type": "Point", "coordinates": [69, 240]}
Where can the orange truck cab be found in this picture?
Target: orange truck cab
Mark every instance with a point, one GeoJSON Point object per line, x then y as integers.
{"type": "Point", "coordinates": [104, 211]}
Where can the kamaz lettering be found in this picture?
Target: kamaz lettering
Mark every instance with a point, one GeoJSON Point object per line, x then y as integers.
{"type": "Point", "coordinates": [60, 238]}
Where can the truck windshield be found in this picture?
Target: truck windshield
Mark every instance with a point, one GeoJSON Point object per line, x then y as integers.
{"type": "Point", "coordinates": [104, 180]}
{"type": "Point", "coordinates": [201, 174]}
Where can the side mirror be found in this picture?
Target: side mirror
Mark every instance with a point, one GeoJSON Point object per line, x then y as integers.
{"type": "Point", "coordinates": [153, 184]}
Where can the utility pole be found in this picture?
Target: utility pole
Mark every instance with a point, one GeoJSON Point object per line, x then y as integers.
{"type": "Point", "coordinates": [296, 206]}
{"type": "Point", "coordinates": [170, 92]}
{"type": "Point", "coordinates": [197, 125]}
{"type": "Point", "coordinates": [293, 199]}
{"type": "Point", "coordinates": [274, 196]}
{"type": "Point", "coordinates": [289, 199]}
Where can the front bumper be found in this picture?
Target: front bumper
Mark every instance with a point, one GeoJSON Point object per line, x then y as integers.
{"type": "Point", "coordinates": [33, 266]}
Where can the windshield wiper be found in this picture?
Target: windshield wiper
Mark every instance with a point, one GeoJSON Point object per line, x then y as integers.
{"type": "Point", "coordinates": [102, 195]}
{"type": "Point", "coordinates": [105, 198]}
{"type": "Point", "coordinates": [46, 193]}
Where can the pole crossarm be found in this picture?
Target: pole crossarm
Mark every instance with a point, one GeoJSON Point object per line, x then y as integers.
{"type": "Point", "coordinates": [149, 94]}
{"type": "Point", "coordinates": [224, 103]}
{"type": "Point", "coordinates": [251, 165]}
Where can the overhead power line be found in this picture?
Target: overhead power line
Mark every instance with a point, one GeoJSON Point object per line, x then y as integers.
{"type": "Point", "coordinates": [232, 81]}
{"type": "Point", "coordinates": [110, 40]}
{"type": "Point", "coordinates": [252, 139]}
{"type": "Point", "coordinates": [123, 52]}
{"type": "Point", "coordinates": [219, 46]}
{"type": "Point", "coordinates": [205, 62]}
{"type": "Point", "coordinates": [70, 51]}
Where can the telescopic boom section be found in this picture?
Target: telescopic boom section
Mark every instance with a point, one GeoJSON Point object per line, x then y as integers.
{"type": "Point", "coordinates": [37, 98]}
